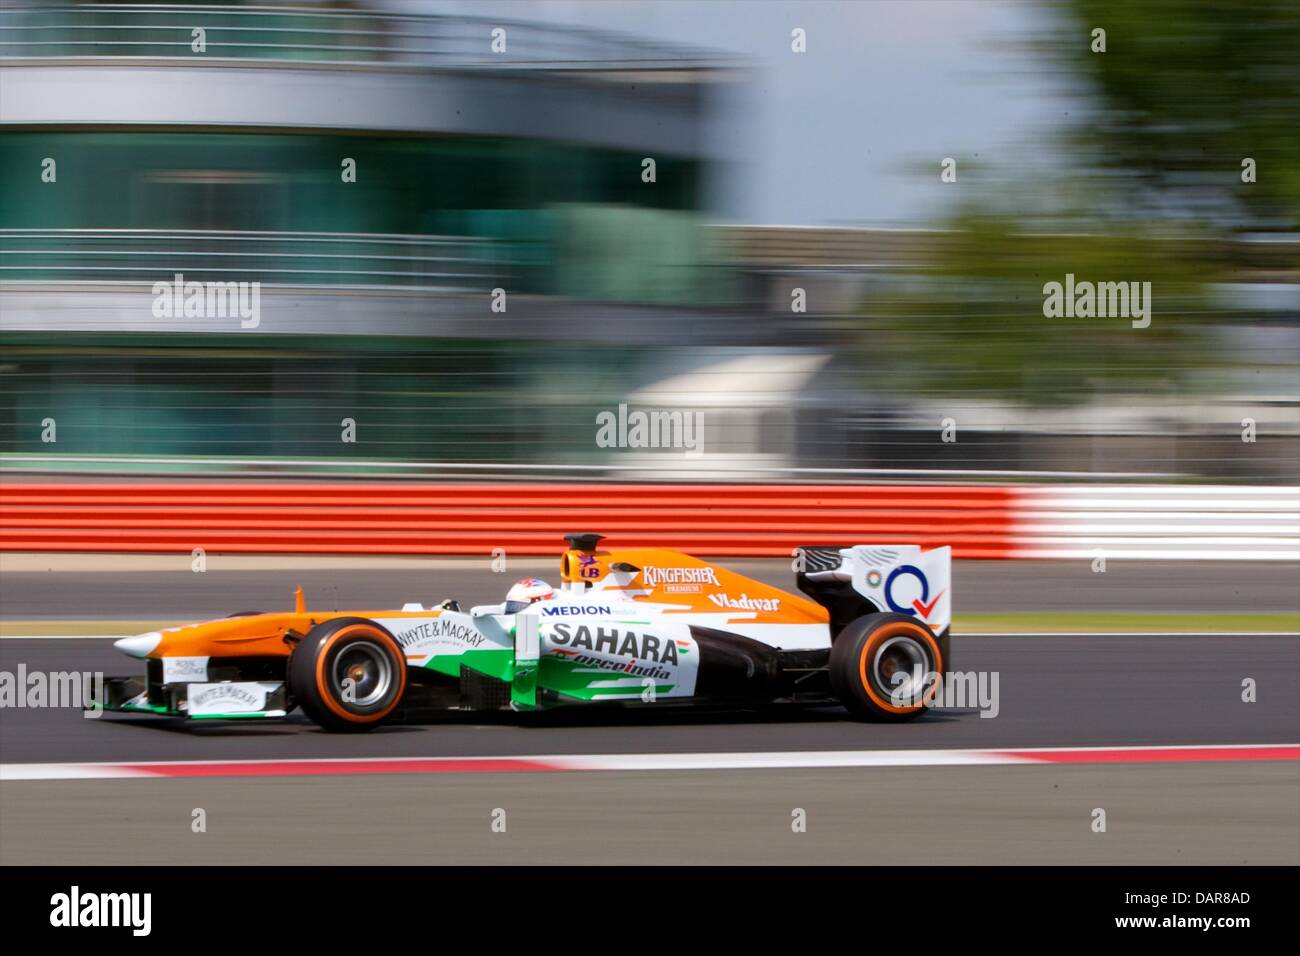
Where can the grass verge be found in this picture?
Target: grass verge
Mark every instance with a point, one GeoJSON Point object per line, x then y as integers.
{"type": "Point", "coordinates": [1190, 622]}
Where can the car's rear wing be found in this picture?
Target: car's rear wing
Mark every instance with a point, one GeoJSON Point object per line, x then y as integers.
{"type": "Point", "coordinates": [901, 578]}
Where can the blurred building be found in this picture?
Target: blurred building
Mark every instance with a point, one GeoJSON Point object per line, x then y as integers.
{"type": "Point", "coordinates": [379, 175]}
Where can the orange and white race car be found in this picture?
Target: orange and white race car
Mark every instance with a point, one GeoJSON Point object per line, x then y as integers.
{"type": "Point", "coordinates": [638, 626]}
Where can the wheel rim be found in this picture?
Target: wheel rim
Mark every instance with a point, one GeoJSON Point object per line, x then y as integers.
{"type": "Point", "coordinates": [368, 666]}
{"type": "Point", "coordinates": [905, 655]}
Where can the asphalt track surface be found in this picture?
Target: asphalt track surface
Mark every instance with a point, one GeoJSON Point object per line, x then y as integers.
{"type": "Point", "coordinates": [1230, 814]}
{"type": "Point", "coordinates": [1056, 691]}
{"type": "Point", "coordinates": [1053, 692]}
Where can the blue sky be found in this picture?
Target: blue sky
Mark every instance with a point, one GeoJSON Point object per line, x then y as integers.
{"type": "Point", "coordinates": [853, 131]}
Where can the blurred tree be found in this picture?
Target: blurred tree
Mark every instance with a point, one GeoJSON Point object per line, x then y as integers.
{"type": "Point", "coordinates": [975, 325]}
{"type": "Point", "coordinates": [1186, 90]}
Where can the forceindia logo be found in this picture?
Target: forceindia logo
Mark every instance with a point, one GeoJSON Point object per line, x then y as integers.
{"type": "Point", "coordinates": [922, 605]}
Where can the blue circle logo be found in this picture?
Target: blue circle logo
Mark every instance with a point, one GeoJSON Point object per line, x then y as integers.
{"type": "Point", "coordinates": [901, 570]}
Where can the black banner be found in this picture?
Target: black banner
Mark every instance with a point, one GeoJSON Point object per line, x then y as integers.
{"type": "Point", "coordinates": [183, 905]}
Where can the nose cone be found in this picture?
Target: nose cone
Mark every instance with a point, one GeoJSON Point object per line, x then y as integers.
{"type": "Point", "coordinates": [139, 646]}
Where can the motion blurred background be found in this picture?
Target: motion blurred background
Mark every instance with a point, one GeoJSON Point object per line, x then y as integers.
{"type": "Point", "coordinates": [131, 152]}
{"type": "Point", "coordinates": [776, 170]}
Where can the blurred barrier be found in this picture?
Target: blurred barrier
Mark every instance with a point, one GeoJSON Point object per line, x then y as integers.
{"type": "Point", "coordinates": [314, 35]}
{"type": "Point", "coordinates": [283, 258]}
{"type": "Point", "coordinates": [1159, 522]}
{"type": "Point", "coordinates": [474, 519]}
{"type": "Point", "coordinates": [1134, 522]}
{"type": "Point", "coordinates": [1247, 259]}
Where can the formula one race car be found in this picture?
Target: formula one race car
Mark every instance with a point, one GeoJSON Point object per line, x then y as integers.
{"type": "Point", "coordinates": [631, 626]}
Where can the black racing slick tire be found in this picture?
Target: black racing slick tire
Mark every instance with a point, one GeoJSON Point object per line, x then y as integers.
{"type": "Point", "coordinates": [347, 674]}
{"type": "Point", "coordinates": [875, 663]}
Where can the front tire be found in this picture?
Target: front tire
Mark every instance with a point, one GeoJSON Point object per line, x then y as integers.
{"type": "Point", "coordinates": [874, 662]}
{"type": "Point", "coordinates": [347, 649]}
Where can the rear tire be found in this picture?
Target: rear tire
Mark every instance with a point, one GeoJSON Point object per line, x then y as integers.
{"type": "Point", "coordinates": [347, 648]}
{"type": "Point", "coordinates": [867, 654]}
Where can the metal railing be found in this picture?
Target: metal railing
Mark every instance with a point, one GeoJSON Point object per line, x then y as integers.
{"type": "Point", "coordinates": [310, 34]}
{"type": "Point", "coordinates": [282, 258]}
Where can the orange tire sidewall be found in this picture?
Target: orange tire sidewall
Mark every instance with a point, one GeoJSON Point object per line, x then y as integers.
{"type": "Point", "coordinates": [895, 629]}
{"type": "Point", "coordinates": [322, 684]}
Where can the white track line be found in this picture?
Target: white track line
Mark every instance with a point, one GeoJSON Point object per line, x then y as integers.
{"type": "Point", "coordinates": [1033, 756]}
{"type": "Point", "coordinates": [63, 637]}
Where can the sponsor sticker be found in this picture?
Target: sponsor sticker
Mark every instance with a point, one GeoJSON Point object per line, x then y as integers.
{"type": "Point", "coordinates": [624, 653]}
{"type": "Point", "coordinates": [235, 697]}
{"type": "Point", "coordinates": [745, 602]}
{"type": "Point", "coordinates": [922, 605]}
{"type": "Point", "coordinates": [616, 642]}
{"type": "Point", "coordinates": [442, 630]}
{"type": "Point", "coordinates": [184, 670]}
{"type": "Point", "coordinates": [654, 577]}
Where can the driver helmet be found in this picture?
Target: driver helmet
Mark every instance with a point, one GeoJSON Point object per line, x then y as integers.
{"type": "Point", "coordinates": [526, 592]}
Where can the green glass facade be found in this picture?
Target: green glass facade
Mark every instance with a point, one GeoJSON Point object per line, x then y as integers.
{"type": "Point", "coordinates": [454, 401]}
{"type": "Point", "coordinates": [435, 211]}
{"type": "Point", "coordinates": [292, 182]}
